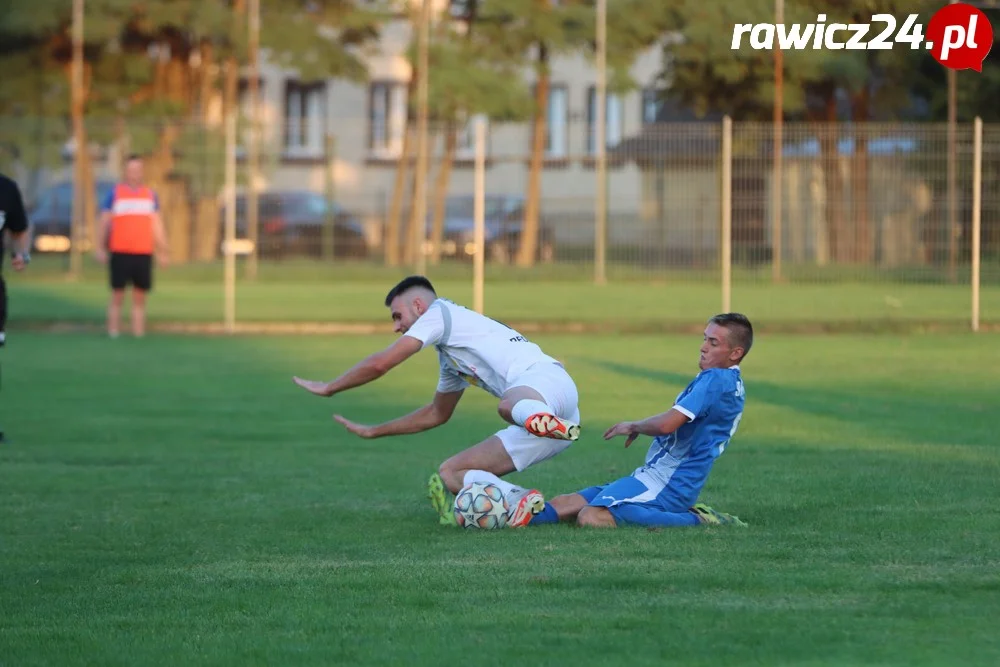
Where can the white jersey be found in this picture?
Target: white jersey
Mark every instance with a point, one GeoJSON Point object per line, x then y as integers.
{"type": "Point", "coordinates": [474, 349]}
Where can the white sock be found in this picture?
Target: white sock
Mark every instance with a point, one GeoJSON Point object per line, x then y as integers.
{"type": "Point", "coordinates": [483, 476]}
{"type": "Point", "coordinates": [527, 407]}
{"type": "Point", "coordinates": [3, 337]}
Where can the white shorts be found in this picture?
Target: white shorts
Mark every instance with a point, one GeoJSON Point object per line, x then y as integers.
{"type": "Point", "coordinates": [559, 392]}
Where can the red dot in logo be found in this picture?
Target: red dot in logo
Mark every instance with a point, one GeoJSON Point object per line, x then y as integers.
{"type": "Point", "coordinates": [961, 36]}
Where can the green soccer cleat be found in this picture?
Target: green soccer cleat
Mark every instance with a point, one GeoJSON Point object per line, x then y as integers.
{"type": "Point", "coordinates": [441, 500]}
{"type": "Point", "coordinates": [709, 517]}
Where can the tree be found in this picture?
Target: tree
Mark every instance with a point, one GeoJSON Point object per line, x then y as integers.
{"type": "Point", "coordinates": [466, 83]}
{"type": "Point", "coordinates": [466, 79]}
{"type": "Point", "coordinates": [703, 73]}
{"type": "Point", "coordinates": [530, 32]}
{"type": "Point", "coordinates": [153, 67]}
{"type": "Point", "coordinates": [706, 74]}
{"type": "Point", "coordinates": [317, 39]}
{"type": "Point", "coordinates": [37, 52]}
{"type": "Point", "coordinates": [29, 140]}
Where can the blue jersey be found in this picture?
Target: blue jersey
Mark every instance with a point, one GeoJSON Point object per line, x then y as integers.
{"type": "Point", "coordinates": [677, 465]}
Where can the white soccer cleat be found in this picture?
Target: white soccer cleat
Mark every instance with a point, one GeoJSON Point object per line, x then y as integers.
{"type": "Point", "coordinates": [524, 504]}
{"type": "Point", "coordinates": [545, 425]}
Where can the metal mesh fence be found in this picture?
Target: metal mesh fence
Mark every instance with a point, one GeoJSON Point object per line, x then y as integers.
{"type": "Point", "coordinates": [863, 204]}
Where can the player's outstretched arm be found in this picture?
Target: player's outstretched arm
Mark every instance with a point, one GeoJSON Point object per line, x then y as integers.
{"type": "Point", "coordinates": [430, 416]}
{"type": "Point", "coordinates": [366, 370]}
{"type": "Point", "coordinates": [661, 424]}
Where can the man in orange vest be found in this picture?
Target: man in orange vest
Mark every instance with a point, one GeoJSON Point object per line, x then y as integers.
{"type": "Point", "coordinates": [131, 232]}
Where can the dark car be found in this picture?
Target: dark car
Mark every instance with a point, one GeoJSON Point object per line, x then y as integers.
{"type": "Point", "coordinates": [52, 214]}
{"type": "Point", "coordinates": [504, 220]}
{"type": "Point", "coordinates": [291, 224]}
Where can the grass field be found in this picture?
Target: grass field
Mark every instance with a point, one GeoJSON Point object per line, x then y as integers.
{"type": "Point", "coordinates": [301, 292]}
{"type": "Point", "coordinates": [176, 500]}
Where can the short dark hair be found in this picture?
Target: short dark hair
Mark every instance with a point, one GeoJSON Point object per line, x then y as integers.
{"type": "Point", "coordinates": [407, 284]}
{"type": "Point", "coordinates": [133, 156]}
{"type": "Point", "coordinates": [740, 330]}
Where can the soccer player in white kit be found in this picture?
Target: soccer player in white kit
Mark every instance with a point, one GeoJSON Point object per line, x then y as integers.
{"type": "Point", "coordinates": [537, 396]}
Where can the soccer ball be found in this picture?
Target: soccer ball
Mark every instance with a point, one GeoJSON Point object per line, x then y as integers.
{"type": "Point", "coordinates": [481, 505]}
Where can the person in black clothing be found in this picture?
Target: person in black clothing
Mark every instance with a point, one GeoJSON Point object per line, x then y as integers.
{"type": "Point", "coordinates": [13, 226]}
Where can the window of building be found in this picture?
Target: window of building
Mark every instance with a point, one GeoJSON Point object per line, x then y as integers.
{"type": "Point", "coordinates": [386, 119]}
{"type": "Point", "coordinates": [305, 119]}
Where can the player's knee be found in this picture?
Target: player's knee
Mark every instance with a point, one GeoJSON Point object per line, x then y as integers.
{"type": "Point", "coordinates": [595, 517]}
{"type": "Point", "coordinates": [568, 506]}
{"type": "Point", "coordinates": [451, 476]}
{"type": "Point", "coordinates": [505, 409]}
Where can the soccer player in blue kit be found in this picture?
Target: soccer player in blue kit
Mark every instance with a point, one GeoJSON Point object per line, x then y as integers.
{"type": "Point", "coordinates": [687, 439]}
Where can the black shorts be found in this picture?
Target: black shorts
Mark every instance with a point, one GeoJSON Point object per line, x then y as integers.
{"type": "Point", "coordinates": [127, 269]}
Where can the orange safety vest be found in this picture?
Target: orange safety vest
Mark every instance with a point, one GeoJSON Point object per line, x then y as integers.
{"type": "Point", "coordinates": [132, 212]}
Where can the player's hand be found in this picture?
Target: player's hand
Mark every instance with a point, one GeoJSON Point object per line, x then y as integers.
{"type": "Point", "coordinates": [622, 428]}
{"type": "Point", "coordinates": [313, 386]}
{"type": "Point", "coordinates": [163, 261]}
{"type": "Point", "coordinates": [17, 262]}
{"type": "Point", "coordinates": [101, 256]}
{"type": "Point", "coordinates": [360, 430]}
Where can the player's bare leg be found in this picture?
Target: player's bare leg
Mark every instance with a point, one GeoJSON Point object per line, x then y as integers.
{"type": "Point", "coordinates": [523, 406]}
{"type": "Point", "coordinates": [568, 506]}
{"type": "Point", "coordinates": [595, 517]}
{"type": "Point", "coordinates": [489, 461]}
{"type": "Point", "coordinates": [138, 314]}
{"type": "Point", "coordinates": [115, 311]}
{"type": "Point", "coordinates": [489, 456]}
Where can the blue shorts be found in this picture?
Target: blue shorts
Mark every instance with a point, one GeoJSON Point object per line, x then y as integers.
{"type": "Point", "coordinates": [630, 501]}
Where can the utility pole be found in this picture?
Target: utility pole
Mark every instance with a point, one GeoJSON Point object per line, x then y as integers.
{"type": "Point", "coordinates": [419, 231]}
{"type": "Point", "coordinates": [601, 101]}
{"type": "Point", "coordinates": [953, 229]}
{"type": "Point", "coordinates": [778, 130]}
{"type": "Point", "coordinates": [79, 196]}
{"type": "Point", "coordinates": [253, 152]}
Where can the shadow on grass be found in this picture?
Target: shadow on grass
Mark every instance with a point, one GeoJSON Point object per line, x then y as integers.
{"type": "Point", "coordinates": [908, 418]}
{"type": "Point", "coordinates": [37, 302]}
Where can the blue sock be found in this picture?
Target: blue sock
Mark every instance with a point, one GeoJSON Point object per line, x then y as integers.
{"type": "Point", "coordinates": [547, 515]}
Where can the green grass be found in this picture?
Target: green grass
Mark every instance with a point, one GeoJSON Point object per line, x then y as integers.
{"type": "Point", "coordinates": [176, 500]}
{"type": "Point", "coordinates": [300, 292]}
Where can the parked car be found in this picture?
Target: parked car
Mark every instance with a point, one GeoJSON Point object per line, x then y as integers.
{"type": "Point", "coordinates": [504, 221]}
{"type": "Point", "coordinates": [51, 216]}
{"type": "Point", "coordinates": [291, 224]}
